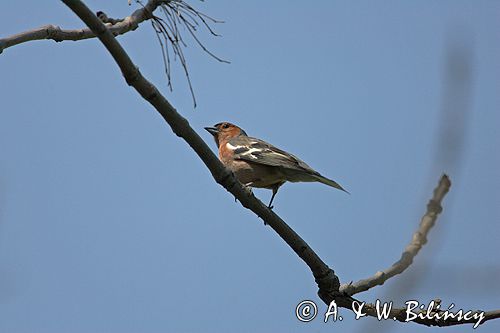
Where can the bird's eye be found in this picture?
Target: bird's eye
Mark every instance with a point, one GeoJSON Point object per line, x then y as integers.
{"type": "Point", "coordinates": [225, 126]}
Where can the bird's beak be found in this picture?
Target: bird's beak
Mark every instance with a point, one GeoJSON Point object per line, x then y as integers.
{"type": "Point", "coordinates": [212, 130]}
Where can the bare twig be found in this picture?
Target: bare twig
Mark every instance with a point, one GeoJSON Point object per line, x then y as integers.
{"type": "Point", "coordinates": [57, 34]}
{"type": "Point", "coordinates": [103, 17]}
{"type": "Point", "coordinates": [177, 14]}
{"type": "Point", "coordinates": [419, 239]}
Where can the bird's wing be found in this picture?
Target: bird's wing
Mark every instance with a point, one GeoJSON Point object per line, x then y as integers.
{"type": "Point", "coordinates": [257, 151]}
{"type": "Point", "coordinates": [253, 150]}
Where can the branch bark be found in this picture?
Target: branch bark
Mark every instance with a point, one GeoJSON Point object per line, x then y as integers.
{"type": "Point", "coordinates": [419, 239]}
{"type": "Point", "coordinates": [57, 34]}
{"type": "Point", "coordinates": [328, 283]}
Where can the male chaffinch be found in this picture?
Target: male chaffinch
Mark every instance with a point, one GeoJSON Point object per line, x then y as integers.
{"type": "Point", "coordinates": [257, 163]}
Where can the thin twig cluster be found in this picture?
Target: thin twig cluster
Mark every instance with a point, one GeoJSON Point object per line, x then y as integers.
{"type": "Point", "coordinates": [178, 15]}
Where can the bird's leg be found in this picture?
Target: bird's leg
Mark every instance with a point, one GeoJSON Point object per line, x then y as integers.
{"type": "Point", "coordinates": [275, 190]}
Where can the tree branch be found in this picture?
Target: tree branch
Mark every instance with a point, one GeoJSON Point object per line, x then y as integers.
{"type": "Point", "coordinates": [328, 282]}
{"type": "Point", "coordinates": [419, 239]}
{"type": "Point", "coordinates": [57, 34]}
{"type": "Point", "coordinates": [324, 276]}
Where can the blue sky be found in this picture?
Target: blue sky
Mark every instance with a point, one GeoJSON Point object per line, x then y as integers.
{"type": "Point", "coordinates": [110, 223]}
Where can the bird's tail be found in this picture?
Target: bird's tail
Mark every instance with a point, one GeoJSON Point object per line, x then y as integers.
{"type": "Point", "coordinates": [329, 182]}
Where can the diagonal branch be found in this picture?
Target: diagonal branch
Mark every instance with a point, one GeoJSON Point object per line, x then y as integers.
{"type": "Point", "coordinates": [326, 279]}
{"type": "Point", "coordinates": [419, 239]}
{"type": "Point", "coordinates": [57, 34]}
{"type": "Point", "coordinates": [180, 126]}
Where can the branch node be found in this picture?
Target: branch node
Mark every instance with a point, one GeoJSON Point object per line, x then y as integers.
{"type": "Point", "coordinates": [105, 19]}
{"type": "Point", "coordinates": [54, 33]}
{"type": "Point", "coordinates": [434, 207]}
{"type": "Point", "coordinates": [380, 275]}
{"type": "Point", "coordinates": [328, 284]}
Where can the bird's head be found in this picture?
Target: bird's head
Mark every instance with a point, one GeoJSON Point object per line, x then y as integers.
{"type": "Point", "coordinates": [224, 132]}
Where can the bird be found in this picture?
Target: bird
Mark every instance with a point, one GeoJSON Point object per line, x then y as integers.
{"type": "Point", "coordinates": [258, 164]}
